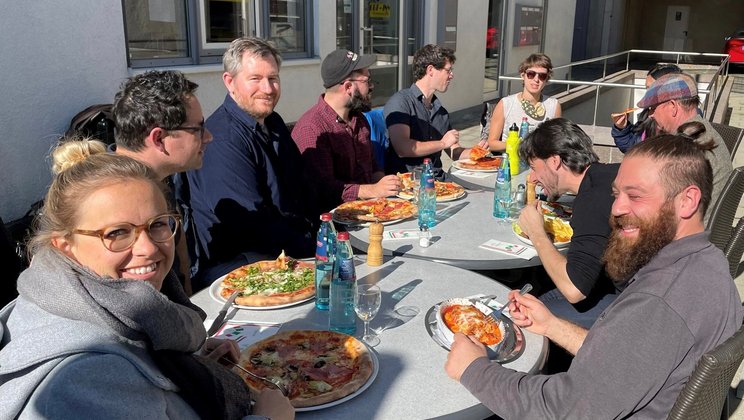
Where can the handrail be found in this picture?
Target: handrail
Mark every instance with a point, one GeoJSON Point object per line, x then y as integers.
{"type": "Point", "coordinates": [715, 86]}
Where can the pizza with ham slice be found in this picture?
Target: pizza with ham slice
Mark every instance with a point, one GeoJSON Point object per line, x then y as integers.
{"type": "Point", "coordinates": [469, 320]}
{"type": "Point", "coordinates": [377, 210]}
{"type": "Point", "coordinates": [316, 367]}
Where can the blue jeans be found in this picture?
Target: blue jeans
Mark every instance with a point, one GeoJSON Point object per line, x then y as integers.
{"type": "Point", "coordinates": [583, 313]}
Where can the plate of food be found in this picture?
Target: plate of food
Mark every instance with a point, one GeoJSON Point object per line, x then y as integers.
{"type": "Point", "coordinates": [555, 209]}
{"type": "Point", "coordinates": [504, 341]}
{"type": "Point", "coordinates": [385, 210]}
{"type": "Point", "coordinates": [479, 160]}
{"type": "Point", "coordinates": [446, 191]}
{"type": "Point", "coordinates": [558, 230]}
{"type": "Point", "coordinates": [319, 369]}
{"type": "Point", "coordinates": [270, 284]}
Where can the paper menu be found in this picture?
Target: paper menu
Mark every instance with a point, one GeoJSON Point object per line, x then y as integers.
{"type": "Point", "coordinates": [247, 333]}
{"type": "Point", "coordinates": [400, 234]}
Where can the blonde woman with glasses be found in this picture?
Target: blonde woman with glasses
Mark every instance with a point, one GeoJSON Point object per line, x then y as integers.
{"type": "Point", "coordinates": [535, 72]}
{"type": "Point", "coordinates": [102, 328]}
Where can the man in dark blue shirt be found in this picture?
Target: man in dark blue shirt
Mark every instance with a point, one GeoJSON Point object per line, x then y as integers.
{"type": "Point", "coordinates": [249, 200]}
{"type": "Point", "coordinates": [418, 124]}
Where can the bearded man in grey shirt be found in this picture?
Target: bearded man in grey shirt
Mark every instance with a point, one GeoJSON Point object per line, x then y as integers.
{"type": "Point", "coordinates": [679, 302]}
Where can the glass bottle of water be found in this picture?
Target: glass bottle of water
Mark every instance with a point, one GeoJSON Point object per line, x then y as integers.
{"type": "Point", "coordinates": [324, 258]}
{"type": "Point", "coordinates": [343, 288]}
{"type": "Point", "coordinates": [427, 203]}
{"type": "Point", "coordinates": [502, 191]}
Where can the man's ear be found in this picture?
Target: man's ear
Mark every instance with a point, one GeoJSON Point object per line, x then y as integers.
{"type": "Point", "coordinates": [228, 79]}
{"type": "Point", "coordinates": [689, 201]}
{"type": "Point", "coordinates": [554, 162]}
{"type": "Point", "coordinates": [155, 139]}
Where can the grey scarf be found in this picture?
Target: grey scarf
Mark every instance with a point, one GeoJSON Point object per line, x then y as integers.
{"type": "Point", "coordinates": [168, 324]}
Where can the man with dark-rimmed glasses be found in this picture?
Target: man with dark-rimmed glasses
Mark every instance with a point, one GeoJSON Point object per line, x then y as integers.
{"type": "Point", "coordinates": [159, 122]}
{"type": "Point", "coordinates": [334, 135]}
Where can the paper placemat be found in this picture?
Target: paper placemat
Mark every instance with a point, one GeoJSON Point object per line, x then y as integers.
{"type": "Point", "coordinates": [515, 250]}
{"type": "Point", "coordinates": [400, 234]}
{"type": "Point", "coordinates": [472, 174]}
{"type": "Point", "coordinates": [247, 333]}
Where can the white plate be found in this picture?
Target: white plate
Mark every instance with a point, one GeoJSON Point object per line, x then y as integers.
{"type": "Point", "coordinates": [528, 242]}
{"type": "Point", "coordinates": [375, 370]}
{"type": "Point", "coordinates": [458, 165]}
{"type": "Point", "coordinates": [405, 196]}
{"type": "Point", "coordinates": [214, 292]}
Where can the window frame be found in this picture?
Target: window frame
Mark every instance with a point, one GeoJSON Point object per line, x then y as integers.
{"type": "Point", "coordinates": [256, 22]}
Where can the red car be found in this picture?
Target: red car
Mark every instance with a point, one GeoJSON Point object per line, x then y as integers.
{"type": "Point", "coordinates": [735, 47]}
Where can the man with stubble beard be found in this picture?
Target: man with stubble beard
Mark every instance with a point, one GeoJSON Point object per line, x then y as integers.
{"type": "Point", "coordinates": [678, 302]}
{"type": "Point", "coordinates": [249, 199]}
{"type": "Point", "coordinates": [334, 135]}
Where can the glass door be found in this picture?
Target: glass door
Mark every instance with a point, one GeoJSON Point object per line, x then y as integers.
{"type": "Point", "coordinates": [374, 27]}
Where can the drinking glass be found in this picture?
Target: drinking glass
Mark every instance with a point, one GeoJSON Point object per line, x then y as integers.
{"type": "Point", "coordinates": [366, 304]}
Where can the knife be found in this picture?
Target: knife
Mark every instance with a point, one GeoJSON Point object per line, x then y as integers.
{"type": "Point", "coordinates": [221, 315]}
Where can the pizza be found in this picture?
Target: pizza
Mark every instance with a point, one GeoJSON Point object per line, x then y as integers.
{"type": "Point", "coordinates": [377, 210]}
{"type": "Point", "coordinates": [477, 153]}
{"type": "Point", "coordinates": [271, 283]}
{"type": "Point", "coordinates": [446, 191]}
{"type": "Point", "coordinates": [469, 320]}
{"type": "Point", "coordinates": [486, 163]}
{"type": "Point", "coordinates": [316, 367]}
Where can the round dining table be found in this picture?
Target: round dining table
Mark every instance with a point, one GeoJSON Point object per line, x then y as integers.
{"type": "Point", "coordinates": [462, 226]}
{"type": "Point", "coordinates": [410, 381]}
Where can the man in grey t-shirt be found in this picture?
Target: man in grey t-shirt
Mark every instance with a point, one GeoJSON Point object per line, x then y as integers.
{"type": "Point", "coordinates": [679, 302]}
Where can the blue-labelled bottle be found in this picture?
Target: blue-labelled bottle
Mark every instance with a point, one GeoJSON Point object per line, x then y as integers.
{"type": "Point", "coordinates": [427, 203]}
{"type": "Point", "coordinates": [502, 191]}
{"type": "Point", "coordinates": [324, 258]}
{"type": "Point", "coordinates": [343, 288]}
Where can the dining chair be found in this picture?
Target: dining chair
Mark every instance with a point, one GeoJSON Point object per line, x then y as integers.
{"type": "Point", "coordinates": [731, 136]}
{"type": "Point", "coordinates": [705, 395]}
{"type": "Point", "coordinates": [722, 212]}
{"type": "Point", "coordinates": [735, 248]}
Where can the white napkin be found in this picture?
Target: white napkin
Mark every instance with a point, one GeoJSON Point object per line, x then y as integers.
{"type": "Point", "coordinates": [472, 174]}
{"type": "Point", "coordinates": [401, 234]}
{"type": "Point", "coordinates": [515, 250]}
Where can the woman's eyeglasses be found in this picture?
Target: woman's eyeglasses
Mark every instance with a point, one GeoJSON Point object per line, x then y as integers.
{"type": "Point", "coordinates": [531, 75]}
{"type": "Point", "coordinates": [119, 238]}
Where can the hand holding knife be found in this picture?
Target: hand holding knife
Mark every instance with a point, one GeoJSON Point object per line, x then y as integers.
{"type": "Point", "coordinates": [221, 315]}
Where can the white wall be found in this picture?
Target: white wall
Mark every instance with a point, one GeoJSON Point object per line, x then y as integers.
{"type": "Point", "coordinates": [55, 60]}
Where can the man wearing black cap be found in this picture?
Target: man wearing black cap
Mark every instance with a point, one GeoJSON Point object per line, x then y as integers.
{"type": "Point", "coordinates": [334, 136]}
{"type": "Point", "coordinates": [418, 124]}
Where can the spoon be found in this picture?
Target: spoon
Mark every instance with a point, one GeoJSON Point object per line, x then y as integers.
{"type": "Point", "coordinates": [267, 381]}
{"type": "Point", "coordinates": [496, 315]}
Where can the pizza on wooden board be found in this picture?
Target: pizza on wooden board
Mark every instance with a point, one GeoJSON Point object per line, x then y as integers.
{"type": "Point", "coordinates": [271, 283]}
{"type": "Point", "coordinates": [377, 210]}
{"type": "Point", "coordinates": [446, 191]}
{"type": "Point", "coordinates": [316, 367]}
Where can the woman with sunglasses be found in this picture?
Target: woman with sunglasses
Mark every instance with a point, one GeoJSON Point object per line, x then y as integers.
{"type": "Point", "coordinates": [535, 71]}
{"type": "Point", "coordinates": [102, 328]}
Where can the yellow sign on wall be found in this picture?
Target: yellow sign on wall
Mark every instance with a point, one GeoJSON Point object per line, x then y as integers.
{"type": "Point", "coordinates": [379, 10]}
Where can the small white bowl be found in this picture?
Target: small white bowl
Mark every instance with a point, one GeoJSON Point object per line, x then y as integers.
{"type": "Point", "coordinates": [449, 336]}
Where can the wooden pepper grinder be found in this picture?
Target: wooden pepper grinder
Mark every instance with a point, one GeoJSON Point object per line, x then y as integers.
{"type": "Point", "coordinates": [531, 195]}
{"type": "Point", "coordinates": [374, 251]}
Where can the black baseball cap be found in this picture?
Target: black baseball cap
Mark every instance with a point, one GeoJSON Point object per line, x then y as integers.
{"type": "Point", "coordinates": [339, 64]}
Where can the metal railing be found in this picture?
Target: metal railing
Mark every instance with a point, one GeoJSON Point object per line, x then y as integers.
{"type": "Point", "coordinates": [715, 86]}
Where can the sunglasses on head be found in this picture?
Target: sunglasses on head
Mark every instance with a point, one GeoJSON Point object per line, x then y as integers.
{"type": "Point", "coordinates": [531, 75]}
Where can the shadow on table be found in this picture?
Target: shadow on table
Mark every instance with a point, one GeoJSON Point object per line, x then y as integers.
{"type": "Point", "coordinates": [450, 211]}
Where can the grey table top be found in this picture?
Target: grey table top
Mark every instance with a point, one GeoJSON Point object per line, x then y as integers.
{"type": "Point", "coordinates": [462, 226]}
{"type": "Point", "coordinates": [411, 382]}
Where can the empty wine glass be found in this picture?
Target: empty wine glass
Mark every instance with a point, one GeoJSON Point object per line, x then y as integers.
{"type": "Point", "coordinates": [366, 304]}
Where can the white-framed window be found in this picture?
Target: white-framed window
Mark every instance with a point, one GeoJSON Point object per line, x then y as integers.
{"type": "Point", "coordinates": [184, 32]}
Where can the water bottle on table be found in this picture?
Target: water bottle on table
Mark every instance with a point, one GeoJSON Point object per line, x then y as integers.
{"type": "Point", "coordinates": [324, 257]}
{"type": "Point", "coordinates": [343, 288]}
{"type": "Point", "coordinates": [524, 131]}
{"type": "Point", "coordinates": [502, 195]}
{"type": "Point", "coordinates": [512, 146]}
{"type": "Point", "coordinates": [427, 203]}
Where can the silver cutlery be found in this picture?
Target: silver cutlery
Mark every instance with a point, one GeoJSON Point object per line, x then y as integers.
{"type": "Point", "coordinates": [496, 315]}
{"type": "Point", "coordinates": [267, 381]}
{"type": "Point", "coordinates": [221, 315]}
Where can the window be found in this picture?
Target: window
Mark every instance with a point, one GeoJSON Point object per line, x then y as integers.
{"type": "Point", "coordinates": [182, 32]}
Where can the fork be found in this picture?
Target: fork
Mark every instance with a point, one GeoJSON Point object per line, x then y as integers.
{"type": "Point", "coordinates": [267, 381]}
{"type": "Point", "coordinates": [496, 315]}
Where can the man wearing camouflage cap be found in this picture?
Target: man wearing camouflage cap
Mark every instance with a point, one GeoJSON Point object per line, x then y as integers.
{"type": "Point", "coordinates": [672, 100]}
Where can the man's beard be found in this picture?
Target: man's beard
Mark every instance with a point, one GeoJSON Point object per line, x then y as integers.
{"type": "Point", "coordinates": [360, 103]}
{"type": "Point", "coordinates": [623, 257]}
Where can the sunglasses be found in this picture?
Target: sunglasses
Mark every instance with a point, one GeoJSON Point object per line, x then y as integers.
{"type": "Point", "coordinates": [531, 75]}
